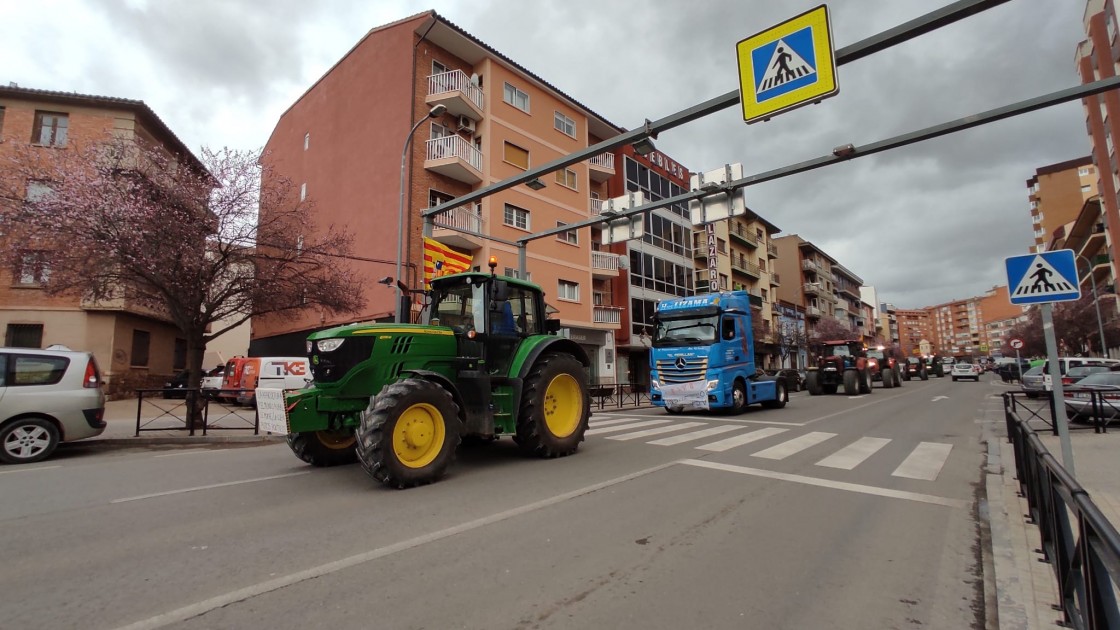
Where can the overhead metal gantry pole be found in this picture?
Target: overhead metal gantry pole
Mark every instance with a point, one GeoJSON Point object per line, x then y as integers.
{"type": "Point", "coordinates": [934, 20]}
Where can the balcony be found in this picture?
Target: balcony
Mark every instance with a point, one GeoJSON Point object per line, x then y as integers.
{"type": "Point", "coordinates": [607, 315]}
{"type": "Point", "coordinates": [755, 300]}
{"type": "Point", "coordinates": [771, 250]}
{"type": "Point", "coordinates": [775, 280]}
{"type": "Point", "coordinates": [809, 265]}
{"type": "Point", "coordinates": [700, 253]}
{"type": "Point", "coordinates": [461, 218]}
{"type": "Point", "coordinates": [853, 292]}
{"type": "Point", "coordinates": [455, 91]}
{"type": "Point", "coordinates": [601, 167]}
{"type": "Point", "coordinates": [746, 268]}
{"type": "Point", "coordinates": [743, 235]}
{"type": "Point", "coordinates": [604, 265]}
{"type": "Point", "coordinates": [812, 288]}
{"type": "Point", "coordinates": [813, 311]}
{"type": "Point", "coordinates": [454, 157]}
{"type": "Point", "coordinates": [596, 207]}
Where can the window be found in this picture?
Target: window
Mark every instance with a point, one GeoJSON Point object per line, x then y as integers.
{"type": "Point", "coordinates": [24, 336]}
{"type": "Point", "coordinates": [568, 236]}
{"type": "Point", "coordinates": [1085, 188]}
{"type": "Point", "coordinates": [567, 177]}
{"type": "Point", "coordinates": [516, 217]}
{"type": "Point", "coordinates": [516, 97]}
{"type": "Point", "coordinates": [512, 273]}
{"type": "Point", "coordinates": [564, 124]}
{"type": "Point", "coordinates": [32, 370]}
{"type": "Point", "coordinates": [568, 291]}
{"type": "Point", "coordinates": [438, 68]}
{"type": "Point", "coordinates": [516, 155]}
{"type": "Point", "coordinates": [34, 268]}
{"type": "Point", "coordinates": [38, 189]}
{"type": "Point", "coordinates": [50, 129]}
{"type": "Point", "coordinates": [1083, 171]}
{"type": "Point", "coordinates": [141, 341]}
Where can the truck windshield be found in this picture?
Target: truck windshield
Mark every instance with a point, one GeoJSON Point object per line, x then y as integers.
{"type": "Point", "coordinates": [685, 331]}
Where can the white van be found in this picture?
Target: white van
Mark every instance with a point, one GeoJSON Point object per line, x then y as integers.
{"type": "Point", "coordinates": [275, 373]}
{"type": "Point", "coordinates": [1065, 363]}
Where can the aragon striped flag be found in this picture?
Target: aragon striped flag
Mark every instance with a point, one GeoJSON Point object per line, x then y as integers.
{"type": "Point", "coordinates": [440, 260]}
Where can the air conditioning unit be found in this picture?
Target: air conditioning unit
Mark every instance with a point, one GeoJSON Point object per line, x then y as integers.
{"type": "Point", "coordinates": [466, 124]}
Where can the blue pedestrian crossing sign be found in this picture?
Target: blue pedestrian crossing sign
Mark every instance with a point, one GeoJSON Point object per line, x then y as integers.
{"type": "Point", "coordinates": [1044, 277]}
{"type": "Point", "coordinates": [787, 66]}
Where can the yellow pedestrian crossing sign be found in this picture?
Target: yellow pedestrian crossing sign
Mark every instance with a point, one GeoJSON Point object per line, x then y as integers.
{"type": "Point", "coordinates": [787, 66]}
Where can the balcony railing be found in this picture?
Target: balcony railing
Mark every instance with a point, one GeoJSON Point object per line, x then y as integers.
{"type": "Point", "coordinates": [771, 250]}
{"type": "Point", "coordinates": [601, 167]}
{"type": "Point", "coordinates": [462, 217]}
{"type": "Point", "coordinates": [455, 81]}
{"type": "Point", "coordinates": [743, 234]}
{"type": "Point", "coordinates": [596, 207]}
{"type": "Point", "coordinates": [606, 314]}
{"type": "Point", "coordinates": [812, 311]}
{"type": "Point", "coordinates": [742, 266]}
{"type": "Point", "coordinates": [775, 279]}
{"type": "Point", "coordinates": [456, 148]}
{"type": "Point", "coordinates": [809, 265]}
{"type": "Point", "coordinates": [604, 260]}
{"type": "Point", "coordinates": [603, 160]}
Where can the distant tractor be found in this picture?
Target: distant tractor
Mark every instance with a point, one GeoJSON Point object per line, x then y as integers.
{"type": "Point", "coordinates": [399, 398]}
{"type": "Point", "coordinates": [884, 367]}
{"type": "Point", "coordinates": [841, 363]}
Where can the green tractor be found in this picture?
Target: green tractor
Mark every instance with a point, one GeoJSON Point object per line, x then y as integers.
{"type": "Point", "coordinates": [399, 398]}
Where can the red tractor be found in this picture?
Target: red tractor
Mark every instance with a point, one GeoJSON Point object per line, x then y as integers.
{"type": "Point", "coordinates": [884, 367]}
{"type": "Point", "coordinates": [840, 363]}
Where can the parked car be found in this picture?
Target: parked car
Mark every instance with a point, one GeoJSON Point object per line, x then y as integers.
{"type": "Point", "coordinates": [795, 382]}
{"type": "Point", "coordinates": [176, 387]}
{"type": "Point", "coordinates": [212, 380]}
{"type": "Point", "coordinates": [1066, 363]}
{"type": "Point", "coordinates": [966, 370]}
{"type": "Point", "coordinates": [1079, 399]}
{"type": "Point", "coordinates": [47, 397]}
{"type": "Point", "coordinates": [1075, 374]}
{"type": "Point", "coordinates": [1033, 382]}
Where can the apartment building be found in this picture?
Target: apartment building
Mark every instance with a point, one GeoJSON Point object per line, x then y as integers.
{"type": "Point", "coordinates": [752, 255]}
{"type": "Point", "coordinates": [888, 318]}
{"type": "Point", "coordinates": [848, 307]}
{"type": "Point", "coordinates": [342, 141]}
{"type": "Point", "coordinates": [1097, 57]}
{"type": "Point", "coordinates": [1056, 193]}
{"type": "Point", "coordinates": [134, 346]}
{"type": "Point", "coordinates": [915, 332]}
{"type": "Point", "coordinates": [962, 327]}
{"type": "Point", "coordinates": [660, 264]}
{"type": "Point", "coordinates": [1091, 243]}
{"type": "Point", "coordinates": [810, 270]}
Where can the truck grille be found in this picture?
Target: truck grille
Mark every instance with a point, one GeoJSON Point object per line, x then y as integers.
{"type": "Point", "coordinates": [330, 367]}
{"type": "Point", "coordinates": [693, 370]}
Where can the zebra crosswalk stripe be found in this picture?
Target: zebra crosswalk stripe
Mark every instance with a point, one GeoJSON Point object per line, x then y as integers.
{"type": "Point", "coordinates": [854, 454]}
{"type": "Point", "coordinates": [796, 445]}
{"type": "Point", "coordinates": [656, 431]}
{"type": "Point", "coordinates": [695, 435]}
{"type": "Point", "coordinates": [625, 427]}
{"type": "Point", "coordinates": [739, 440]}
{"type": "Point", "coordinates": [924, 462]}
{"type": "Point", "coordinates": [595, 424]}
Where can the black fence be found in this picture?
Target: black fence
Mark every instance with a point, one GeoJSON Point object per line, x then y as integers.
{"type": "Point", "coordinates": [619, 395]}
{"type": "Point", "coordinates": [169, 410]}
{"type": "Point", "coordinates": [1078, 541]}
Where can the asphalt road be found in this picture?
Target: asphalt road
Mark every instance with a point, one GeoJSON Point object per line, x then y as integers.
{"type": "Point", "coordinates": [834, 512]}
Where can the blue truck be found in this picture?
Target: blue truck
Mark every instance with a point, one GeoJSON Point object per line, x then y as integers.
{"type": "Point", "coordinates": [703, 356]}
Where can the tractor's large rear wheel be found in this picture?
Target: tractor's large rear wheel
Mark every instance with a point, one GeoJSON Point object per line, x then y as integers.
{"type": "Point", "coordinates": [409, 433]}
{"type": "Point", "coordinates": [555, 407]}
{"type": "Point", "coordinates": [887, 376]}
{"type": "Point", "coordinates": [864, 381]}
{"type": "Point", "coordinates": [813, 383]}
{"type": "Point", "coordinates": [324, 448]}
{"type": "Point", "coordinates": [851, 383]}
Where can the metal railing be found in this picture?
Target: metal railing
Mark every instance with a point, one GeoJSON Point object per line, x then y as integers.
{"type": "Point", "coordinates": [619, 395]}
{"type": "Point", "coordinates": [606, 314]}
{"type": "Point", "coordinates": [463, 217]}
{"type": "Point", "coordinates": [162, 410]}
{"type": "Point", "coordinates": [455, 81]}
{"type": "Point", "coordinates": [603, 160]}
{"type": "Point", "coordinates": [1078, 541]}
{"type": "Point", "coordinates": [453, 146]}
{"type": "Point", "coordinates": [604, 260]}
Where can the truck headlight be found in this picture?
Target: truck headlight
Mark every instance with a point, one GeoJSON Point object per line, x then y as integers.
{"type": "Point", "coordinates": [310, 346]}
{"type": "Point", "coordinates": [712, 385]}
{"type": "Point", "coordinates": [329, 345]}
{"type": "Point", "coordinates": [654, 384]}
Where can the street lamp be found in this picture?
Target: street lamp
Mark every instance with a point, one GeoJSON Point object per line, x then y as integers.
{"type": "Point", "coordinates": [1096, 302]}
{"type": "Point", "coordinates": [435, 112]}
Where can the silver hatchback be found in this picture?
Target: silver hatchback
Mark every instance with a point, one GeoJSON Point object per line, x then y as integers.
{"type": "Point", "coordinates": [1033, 382]}
{"type": "Point", "coordinates": [47, 397]}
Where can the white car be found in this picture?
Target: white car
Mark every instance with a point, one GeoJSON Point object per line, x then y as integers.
{"type": "Point", "coordinates": [966, 370]}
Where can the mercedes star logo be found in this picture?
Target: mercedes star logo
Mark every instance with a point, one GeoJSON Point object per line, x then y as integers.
{"type": "Point", "coordinates": [680, 363]}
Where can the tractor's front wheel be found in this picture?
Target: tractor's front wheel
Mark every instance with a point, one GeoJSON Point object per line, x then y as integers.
{"type": "Point", "coordinates": [555, 407]}
{"type": "Point", "coordinates": [409, 433]}
{"type": "Point", "coordinates": [813, 383]}
{"type": "Point", "coordinates": [851, 383]}
{"type": "Point", "coordinates": [324, 448]}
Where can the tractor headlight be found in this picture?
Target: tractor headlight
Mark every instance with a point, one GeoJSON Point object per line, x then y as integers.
{"type": "Point", "coordinates": [712, 385]}
{"type": "Point", "coordinates": [329, 345]}
{"type": "Point", "coordinates": [310, 346]}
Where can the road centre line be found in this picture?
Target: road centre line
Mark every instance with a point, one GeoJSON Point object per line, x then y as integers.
{"type": "Point", "coordinates": [19, 470]}
{"type": "Point", "coordinates": [828, 483]}
{"type": "Point", "coordinates": [209, 487]}
{"type": "Point", "coordinates": [207, 605]}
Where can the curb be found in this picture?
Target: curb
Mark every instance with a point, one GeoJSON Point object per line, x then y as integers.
{"type": "Point", "coordinates": [178, 441]}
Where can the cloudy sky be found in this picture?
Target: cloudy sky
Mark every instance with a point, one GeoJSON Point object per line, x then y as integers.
{"type": "Point", "coordinates": [924, 224]}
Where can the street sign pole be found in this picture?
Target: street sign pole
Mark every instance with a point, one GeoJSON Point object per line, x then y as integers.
{"type": "Point", "coordinates": [1057, 400]}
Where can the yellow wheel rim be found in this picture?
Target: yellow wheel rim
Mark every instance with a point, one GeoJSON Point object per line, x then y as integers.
{"type": "Point", "coordinates": [563, 405]}
{"type": "Point", "coordinates": [336, 440]}
{"type": "Point", "coordinates": [418, 435]}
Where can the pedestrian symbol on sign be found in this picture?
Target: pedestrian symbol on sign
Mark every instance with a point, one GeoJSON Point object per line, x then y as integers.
{"type": "Point", "coordinates": [785, 66]}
